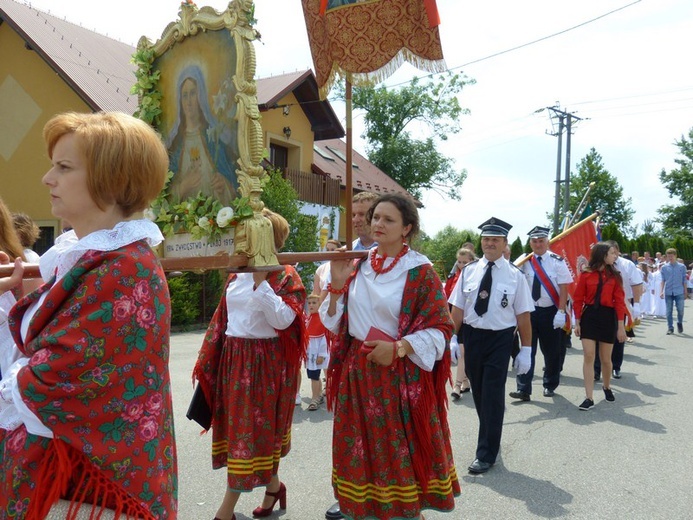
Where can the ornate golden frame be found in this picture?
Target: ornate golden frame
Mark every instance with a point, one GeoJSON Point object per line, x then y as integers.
{"type": "Point", "coordinates": [253, 236]}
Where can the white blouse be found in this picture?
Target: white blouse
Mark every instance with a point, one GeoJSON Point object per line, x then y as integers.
{"type": "Point", "coordinates": [376, 301]}
{"type": "Point", "coordinates": [255, 313]}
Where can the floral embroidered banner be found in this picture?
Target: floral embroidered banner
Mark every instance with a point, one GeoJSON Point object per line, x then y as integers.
{"type": "Point", "coordinates": [367, 40]}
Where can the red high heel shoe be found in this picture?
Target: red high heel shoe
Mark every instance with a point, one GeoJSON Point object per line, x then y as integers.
{"type": "Point", "coordinates": [279, 496]}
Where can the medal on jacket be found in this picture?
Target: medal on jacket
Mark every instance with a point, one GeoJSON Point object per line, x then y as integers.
{"type": "Point", "coordinates": [504, 300]}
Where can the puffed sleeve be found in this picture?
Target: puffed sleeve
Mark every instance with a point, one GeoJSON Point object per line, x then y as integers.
{"type": "Point", "coordinates": [278, 314]}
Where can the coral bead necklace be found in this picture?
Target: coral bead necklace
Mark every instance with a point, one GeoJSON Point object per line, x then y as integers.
{"type": "Point", "coordinates": [377, 262]}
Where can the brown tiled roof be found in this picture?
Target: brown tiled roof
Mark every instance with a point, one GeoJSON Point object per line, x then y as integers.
{"type": "Point", "coordinates": [329, 158]}
{"type": "Point", "coordinates": [324, 122]}
{"type": "Point", "coordinates": [95, 66]}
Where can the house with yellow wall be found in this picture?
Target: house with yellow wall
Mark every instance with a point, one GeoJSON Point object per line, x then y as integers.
{"type": "Point", "coordinates": [51, 65]}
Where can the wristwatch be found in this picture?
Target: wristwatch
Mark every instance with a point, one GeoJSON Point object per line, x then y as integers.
{"type": "Point", "coordinates": [401, 351]}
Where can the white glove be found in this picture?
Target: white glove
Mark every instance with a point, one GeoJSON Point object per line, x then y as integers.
{"type": "Point", "coordinates": [523, 361]}
{"type": "Point", "coordinates": [559, 320]}
{"type": "Point", "coordinates": [454, 351]}
{"type": "Point", "coordinates": [636, 310]}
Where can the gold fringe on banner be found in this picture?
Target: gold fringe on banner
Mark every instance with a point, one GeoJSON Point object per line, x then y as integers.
{"type": "Point", "coordinates": [368, 41]}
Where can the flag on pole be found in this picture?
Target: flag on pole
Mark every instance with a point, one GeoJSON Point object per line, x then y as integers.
{"type": "Point", "coordinates": [575, 247]}
{"type": "Point", "coordinates": [367, 40]}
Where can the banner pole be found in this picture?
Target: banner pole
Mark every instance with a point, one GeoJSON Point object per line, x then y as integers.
{"type": "Point", "coordinates": [349, 144]}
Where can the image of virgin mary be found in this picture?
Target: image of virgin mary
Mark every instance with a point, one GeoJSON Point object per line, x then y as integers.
{"type": "Point", "coordinates": [198, 151]}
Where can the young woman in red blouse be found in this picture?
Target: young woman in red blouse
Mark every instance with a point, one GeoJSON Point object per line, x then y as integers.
{"type": "Point", "coordinates": [600, 307]}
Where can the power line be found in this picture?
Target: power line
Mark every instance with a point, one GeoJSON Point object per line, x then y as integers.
{"type": "Point", "coordinates": [671, 91]}
{"type": "Point", "coordinates": [517, 47]}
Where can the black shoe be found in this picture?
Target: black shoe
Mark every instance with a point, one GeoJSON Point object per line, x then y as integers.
{"type": "Point", "coordinates": [608, 394]}
{"type": "Point", "coordinates": [479, 466]}
{"type": "Point", "coordinates": [616, 374]}
{"type": "Point", "coordinates": [586, 404]}
{"type": "Point", "coordinates": [522, 396]}
{"type": "Point", "coordinates": [670, 331]}
{"type": "Point", "coordinates": [548, 392]}
{"type": "Point", "coordinates": [334, 513]}
{"type": "Point", "coordinates": [679, 326]}
{"type": "Point", "coordinates": [597, 377]}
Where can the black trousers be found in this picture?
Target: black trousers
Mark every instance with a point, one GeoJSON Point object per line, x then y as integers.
{"type": "Point", "coordinates": [486, 358]}
{"type": "Point", "coordinates": [550, 342]}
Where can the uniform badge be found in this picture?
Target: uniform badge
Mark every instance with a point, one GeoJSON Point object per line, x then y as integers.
{"type": "Point", "coordinates": [504, 300]}
{"type": "Point", "coordinates": [483, 295]}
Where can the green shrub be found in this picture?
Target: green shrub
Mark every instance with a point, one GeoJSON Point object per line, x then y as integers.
{"type": "Point", "coordinates": [194, 297]}
{"type": "Point", "coordinates": [185, 298]}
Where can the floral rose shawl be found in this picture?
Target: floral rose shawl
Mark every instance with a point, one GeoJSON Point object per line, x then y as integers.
{"type": "Point", "coordinates": [424, 306]}
{"type": "Point", "coordinates": [288, 286]}
{"type": "Point", "coordinates": [98, 378]}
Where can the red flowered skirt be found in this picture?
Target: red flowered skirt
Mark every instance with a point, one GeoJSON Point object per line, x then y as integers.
{"type": "Point", "coordinates": [254, 407]}
{"type": "Point", "coordinates": [373, 474]}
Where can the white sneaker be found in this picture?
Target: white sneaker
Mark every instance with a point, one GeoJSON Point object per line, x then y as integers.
{"type": "Point", "coordinates": [298, 399]}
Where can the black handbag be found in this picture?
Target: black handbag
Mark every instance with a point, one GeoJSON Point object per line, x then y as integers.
{"type": "Point", "coordinates": [199, 410]}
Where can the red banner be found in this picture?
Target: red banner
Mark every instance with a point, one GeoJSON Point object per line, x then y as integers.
{"type": "Point", "coordinates": [368, 40]}
{"type": "Point", "coordinates": [575, 248]}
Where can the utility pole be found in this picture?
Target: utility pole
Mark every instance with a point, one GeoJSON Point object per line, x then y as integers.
{"type": "Point", "coordinates": [565, 120]}
{"type": "Point", "coordinates": [558, 173]}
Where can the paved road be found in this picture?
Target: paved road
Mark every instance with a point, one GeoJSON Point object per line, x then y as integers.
{"type": "Point", "coordinates": [630, 459]}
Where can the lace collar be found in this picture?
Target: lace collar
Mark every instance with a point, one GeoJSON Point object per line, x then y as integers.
{"type": "Point", "coordinates": [68, 249]}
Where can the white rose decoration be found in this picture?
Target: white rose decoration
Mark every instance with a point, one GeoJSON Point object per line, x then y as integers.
{"type": "Point", "coordinates": [224, 217]}
{"type": "Point", "coordinates": [204, 223]}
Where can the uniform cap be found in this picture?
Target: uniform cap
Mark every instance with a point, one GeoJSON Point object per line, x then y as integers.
{"type": "Point", "coordinates": [539, 232]}
{"type": "Point", "coordinates": [495, 227]}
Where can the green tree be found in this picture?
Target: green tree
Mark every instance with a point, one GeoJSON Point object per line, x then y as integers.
{"type": "Point", "coordinates": [677, 219]}
{"type": "Point", "coordinates": [611, 231]}
{"type": "Point", "coordinates": [516, 248]}
{"type": "Point", "coordinates": [606, 194]}
{"type": "Point", "coordinates": [279, 196]}
{"type": "Point", "coordinates": [442, 248]}
{"type": "Point", "coordinates": [390, 114]}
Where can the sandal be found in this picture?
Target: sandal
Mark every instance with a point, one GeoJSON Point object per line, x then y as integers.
{"type": "Point", "coordinates": [314, 404]}
{"type": "Point", "coordinates": [465, 387]}
{"type": "Point", "coordinates": [456, 391]}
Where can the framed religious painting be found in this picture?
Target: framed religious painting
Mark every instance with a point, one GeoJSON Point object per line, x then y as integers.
{"type": "Point", "coordinates": [196, 86]}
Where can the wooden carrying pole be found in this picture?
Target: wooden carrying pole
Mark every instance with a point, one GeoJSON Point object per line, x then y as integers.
{"type": "Point", "coordinates": [594, 215]}
{"type": "Point", "coordinates": [207, 263]}
{"type": "Point", "coordinates": [349, 154]}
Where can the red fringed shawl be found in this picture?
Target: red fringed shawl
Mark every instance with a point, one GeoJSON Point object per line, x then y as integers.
{"type": "Point", "coordinates": [423, 307]}
{"type": "Point", "coordinates": [288, 286]}
{"type": "Point", "coordinates": [98, 379]}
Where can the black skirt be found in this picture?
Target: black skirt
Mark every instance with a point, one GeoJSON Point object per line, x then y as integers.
{"type": "Point", "coordinates": [599, 324]}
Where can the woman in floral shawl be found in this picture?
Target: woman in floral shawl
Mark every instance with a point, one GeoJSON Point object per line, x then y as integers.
{"type": "Point", "coordinates": [386, 381]}
{"type": "Point", "coordinates": [85, 400]}
{"type": "Point", "coordinates": [248, 370]}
